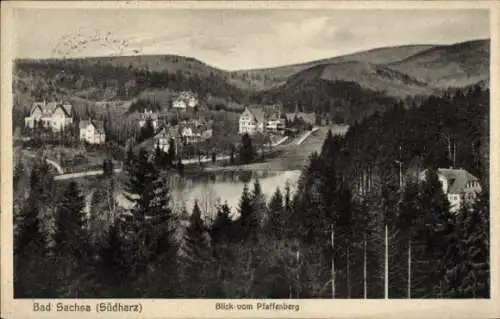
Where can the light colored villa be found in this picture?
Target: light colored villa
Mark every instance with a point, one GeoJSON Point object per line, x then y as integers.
{"type": "Point", "coordinates": [255, 120]}
{"type": "Point", "coordinates": [92, 132]}
{"type": "Point", "coordinates": [275, 124]}
{"type": "Point", "coordinates": [162, 139]}
{"type": "Point", "coordinates": [148, 114]}
{"type": "Point", "coordinates": [460, 186]}
{"type": "Point", "coordinates": [185, 100]}
{"type": "Point", "coordinates": [52, 115]}
{"type": "Point", "coordinates": [252, 121]}
{"type": "Point", "coordinates": [192, 133]}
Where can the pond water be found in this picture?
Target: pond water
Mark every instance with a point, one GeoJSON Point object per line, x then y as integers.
{"type": "Point", "coordinates": [209, 189]}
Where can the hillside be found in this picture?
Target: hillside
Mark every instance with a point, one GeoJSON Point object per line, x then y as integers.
{"type": "Point", "coordinates": [457, 65]}
{"type": "Point", "coordinates": [350, 86]}
{"type": "Point", "coordinates": [270, 77]}
{"type": "Point", "coordinates": [367, 75]}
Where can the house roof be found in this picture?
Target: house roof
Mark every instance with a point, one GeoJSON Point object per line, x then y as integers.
{"type": "Point", "coordinates": [185, 96]}
{"type": "Point", "coordinates": [257, 113]}
{"type": "Point", "coordinates": [49, 108]}
{"type": "Point", "coordinates": [98, 125]}
{"type": "Point", "coordinates": [457, 179]}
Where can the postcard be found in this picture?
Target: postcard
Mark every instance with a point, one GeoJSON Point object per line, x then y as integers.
{"type": "Point", "coordinates": [250, 159]}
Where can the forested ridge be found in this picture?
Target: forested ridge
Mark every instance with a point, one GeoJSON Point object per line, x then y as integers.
{"type": "Point", "coordinates": [326, 240]}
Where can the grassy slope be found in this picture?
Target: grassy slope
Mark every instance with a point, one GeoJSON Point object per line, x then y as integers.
{"type": "Point", "coordinates": [379, 55]}
{"type": "Point", "coordinates": [457, 65]}
{"type": "Point", "coordinates": [460, 64]}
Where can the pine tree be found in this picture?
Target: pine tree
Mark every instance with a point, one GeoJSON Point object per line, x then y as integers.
{"type": "Point", "coordinates": [248, 223]}
{"type": "Point", "coordinates": [221, 230]}
{"type": "Point", "coordinates": [259, 203]}
{"type": "Point", "coordinates": [171, 151]}
{"type": "Point", "coordinates": [276, 224]}
{"type": "Point", "coordinates": [467, 255]}
{"type": "Point", "coordinates": [246, 151]}
{"type": "Point", "coordinates": [107, 168]}
{"type": "Point", "coordinates": [70, 220]}
{"type": "Point", "coordinates": [196, 256]}
{"type": "Point", "coordinates": [152, 224]}
{"type": "Point", "coordinates": [129, 157]}
{"type": "Point", "coordinates": [432, 230]}
{"type": "Point", "coordinates": [71, 242]}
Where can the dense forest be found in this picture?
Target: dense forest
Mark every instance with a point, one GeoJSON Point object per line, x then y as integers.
{"type": "Point", "coordinates": [346, 100]}
{"type": "Point", "coordinates": [327, 240]}
{"type": "Point", "coordinates": [123, 82]}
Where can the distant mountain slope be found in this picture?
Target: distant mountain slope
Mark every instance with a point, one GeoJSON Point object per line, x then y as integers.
{"type": "Point", "coordinates": [367, 75]}
{"type": "Point", "coordinates": [155, 63]}
{"type": "Point", "coordinates": [269, 77]}
{"type": "Point", "coordinates": [458, 65]}
{"type": "Point", "coordinates": [351, 85]}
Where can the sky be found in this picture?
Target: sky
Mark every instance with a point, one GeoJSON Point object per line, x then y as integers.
{"type": "Point", "coordinates": [235, 39]}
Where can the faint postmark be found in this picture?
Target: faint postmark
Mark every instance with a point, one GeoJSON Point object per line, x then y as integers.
{"type": "Point", "coordinates": [71, 44]}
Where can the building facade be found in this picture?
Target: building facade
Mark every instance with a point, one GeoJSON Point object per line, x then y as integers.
{"type": "Point", "coordinates": [251, 121]}
{"type": "Point", "coordinates": [92, 132]}
{"type": "Point", "coordinates": [53, 115]}
{"type": "Point", "coordinates": [185, 100]}
{"type": "Point", "coordinates": [460, 186]}
{"type": "Point", "coordinates": [148, 115]}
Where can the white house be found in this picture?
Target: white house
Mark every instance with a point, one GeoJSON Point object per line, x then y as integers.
{"type": "Point", "coordinates": [275, 124]}
{"type": "Point", "coordinates": [460, 186]}
{"type": "Point", "coordinates": [92, 132]}
{"type": "Point", "coordinates": [148, 115]}
{"type": "Point", "coordinates": [185, 100]}
{"type": "Point", "coordinates": [53, 115]}
{"type": "Point", "coordinates": [162, 139]}
{"type": "Point", "coordinates": [251, 121]}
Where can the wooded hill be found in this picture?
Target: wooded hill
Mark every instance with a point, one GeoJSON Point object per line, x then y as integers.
{"type": "Point", "coordinates": [351, 86]}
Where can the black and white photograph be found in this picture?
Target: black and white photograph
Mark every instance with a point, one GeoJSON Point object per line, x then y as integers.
{"type": "Point", "coordinates": [250, 153]}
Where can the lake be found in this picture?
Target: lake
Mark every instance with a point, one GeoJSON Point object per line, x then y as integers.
{"type": "Point", "coordinates": [213, 188]}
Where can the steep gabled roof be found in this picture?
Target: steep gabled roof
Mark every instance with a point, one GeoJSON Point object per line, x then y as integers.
{"type": "Point", "coordinates": [98, 125]}
{"type": "Point", "coordinates": [257, 113]}
{"type": "Point", "coordinates": [49, 108]}
{"type": "Point", "coordinates": [457, 179]}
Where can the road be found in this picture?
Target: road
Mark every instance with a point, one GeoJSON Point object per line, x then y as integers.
{"type": "Point", "coordinates": [83, 174]}
{"type": "Point", "coordinates": [49, 161]}
{"type": "Point", "coordinates": [63, 176]}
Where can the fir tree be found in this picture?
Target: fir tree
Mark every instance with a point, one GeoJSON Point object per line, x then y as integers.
{"type": "Point", "coordinates": [221, 229]}
{"type": "Point", "coordinates": [259, 202]}
{"type": "Point", "coordinates": [246, 151]}
{"type": "Point", "coordinates": [467, 255]}
{"type": "Point", "coordinates": [195, 255]}
{"type": "Point", "coordinates": [152, 223]}
{"type": "Point", "coordinates": [276, 224]}
{"type": "Point", "coordinates": [107, 168]}
{"type": "Point", "coordinates": [248, 223]}
{"type": "Point", "coordinates": [171, 151]}
{"type": "Point", "coordinates": [432, 229]}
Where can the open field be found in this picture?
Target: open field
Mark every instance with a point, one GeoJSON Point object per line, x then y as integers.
{"type": "Point", "coordinates": [291, 156]}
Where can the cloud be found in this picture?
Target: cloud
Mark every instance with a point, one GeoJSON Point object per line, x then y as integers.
{"type": "Point", "coordinates": [223, 46]}
{"type": "Point", "coordinates": [237, 39]}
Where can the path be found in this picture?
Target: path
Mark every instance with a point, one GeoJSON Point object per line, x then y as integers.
{"type": "Point", "coordinates": [83, 174]}
{"type": "Point", "coordinates": [306, 135]}
{"type": "Point", "coordinates": [51, 162]}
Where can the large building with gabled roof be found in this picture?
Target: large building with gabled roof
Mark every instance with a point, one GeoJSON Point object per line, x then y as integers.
{"type": "Point", "coordinates": [460, 186]}
{"type": "Point", "coordinates": [53, 115]}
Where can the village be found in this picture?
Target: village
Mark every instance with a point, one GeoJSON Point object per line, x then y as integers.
{"type": "Point", "coordinates": [182, 133]}
{"type": "Point", "coordinates": [79, 144]}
